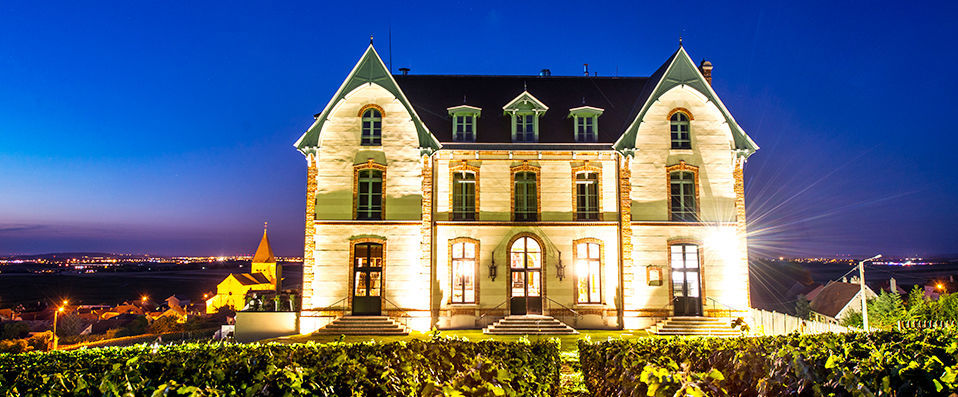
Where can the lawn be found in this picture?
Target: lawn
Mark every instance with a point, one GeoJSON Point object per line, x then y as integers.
{"type": "Point", "coordinates": [567, 342]}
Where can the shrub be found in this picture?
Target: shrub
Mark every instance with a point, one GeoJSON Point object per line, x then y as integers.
{"type": "Point", "coordinates": [15, 330]}
{"type": "Point", "coordinates": [414, 368]}
{"type": "Point", "coordinates": [879, 363]}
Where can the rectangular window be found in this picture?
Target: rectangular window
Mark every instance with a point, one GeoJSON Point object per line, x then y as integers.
{"type": "Point", "coordinates": [585, 130]}
{"type": "Point", "coordinates": [369, 195]}
{"type": "Point", "coordinates": [464, 272]}
{"type": "Point", "coordinates": [682, 196]}
{"type": "Point", "coordinates": [525, 128]}
{"type": "Point", "coordinates": [464, 128]}
{"type": "Point", "coordinates": [685, 270]}
{"type": "Point", "coordinates": [588, 266]}
{"type": "Point", "coordinates": [587, 196]}
{"type": "Point", "coordinates": [526, 208]}
{"type": "Point", "coordinates": [464, 196]}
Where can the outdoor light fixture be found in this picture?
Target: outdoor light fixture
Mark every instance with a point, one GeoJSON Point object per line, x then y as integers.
{"type": "Point", "coordinates": [861, 279]}
{"type": "Point", "coordinates": [492, 270]}
{"type": "Point", "coordinates": [560, 268]}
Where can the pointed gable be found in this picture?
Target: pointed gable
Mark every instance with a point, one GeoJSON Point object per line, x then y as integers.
{"type": "Point", "coordinates": [264, 253]}
{"type": "Point", "coordinates": [369, 70]}
{"type": "Point", "coordinates": [680, 70]}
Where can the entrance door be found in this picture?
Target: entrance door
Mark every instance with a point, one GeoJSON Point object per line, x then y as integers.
{"type": "Point", "coordinates": [368, 273]}
{"type": "Point", "coordinates": [685, 280]}
{"type": "Point", "coordinates": [525, 276]}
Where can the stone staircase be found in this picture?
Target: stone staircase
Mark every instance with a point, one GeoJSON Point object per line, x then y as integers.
{"type": "Point", "coordinates": [529, 325]}
{"type": "Point", "coordinates": [698, 326]}
{"type": "Point", "coordinates": [363, 325]}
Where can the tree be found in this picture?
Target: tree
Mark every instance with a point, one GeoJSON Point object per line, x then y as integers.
{"type": "Point", "coordinates": [948, 307]}
{"type": "Point", "coordinates": [886, 310]}
{"type": "Point", "coordinates": [15, 330]}
{"type": "Point", "coordinates": [165, 324]}
{"type": "Point", "coordinates": [920, 308]}
{"type": "Point", "coordinates": [803, 308]}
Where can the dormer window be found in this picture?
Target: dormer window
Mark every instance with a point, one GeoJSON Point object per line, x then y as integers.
{"type": "Point", "coordinates": [464, 122]}
{"type": "Point", "coordinates": [586, 123]}
{"type": "Point", "coordinates": [524, 112]}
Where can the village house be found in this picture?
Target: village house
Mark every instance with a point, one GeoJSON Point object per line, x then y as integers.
{"type": "Point", "coordinates": [461, 201]}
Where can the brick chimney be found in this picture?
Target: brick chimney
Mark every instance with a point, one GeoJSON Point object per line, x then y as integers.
{"type": "Point", "coordinates": [706, 68]}
{"type": "Point", "coordinates": [893, 285]}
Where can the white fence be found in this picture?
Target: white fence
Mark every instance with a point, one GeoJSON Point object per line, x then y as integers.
{"type": "Point", "coordinates": [926, 324]}
{"type": "Point", "coordinates": [775, 323]}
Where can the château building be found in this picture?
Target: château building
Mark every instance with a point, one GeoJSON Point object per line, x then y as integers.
{"type": "Point", "coordinates": [452, 201]}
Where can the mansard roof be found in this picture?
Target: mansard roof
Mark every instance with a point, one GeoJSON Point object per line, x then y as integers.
{"type": "Point", "coordinates": [431, 95]}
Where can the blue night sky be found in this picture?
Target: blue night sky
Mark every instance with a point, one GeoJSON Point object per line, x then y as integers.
{"type": "Point", "coordinates": [167, 128]}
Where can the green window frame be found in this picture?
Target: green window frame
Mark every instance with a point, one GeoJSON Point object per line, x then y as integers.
{"type": "Point", "coordinates": [525, 208]}
{"type": "Point", "coordinates": [525, 127]}
{"type": "Point", "coordinates": [372, 130]}
{"type": "Point", "coordinates": [679, 125]}
{"type": "Point", "coordinates": [464, 128]}
{"type": "Point", "coordinates": [586, 128]}
{"type": "Point", "coordinates": [682, 196]}
{"type": "Point", "coordinates": [587, 196]}
{"type": "Point", "coordinates": [369, 204]}
{"type": "Point", "coordinates": [464, 196]}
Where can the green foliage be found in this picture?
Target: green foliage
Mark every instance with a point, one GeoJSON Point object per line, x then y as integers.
{"type": "Point", "coordinates": [416, 368]}
{"type": "Point", "coordinates": [885, 311]}
{"type": "Point", "coordinates": [803, 307]}
{"type": "Point", "coordinates": [165, 324]}
{"type": "Point", "coordinates": [915, 363]}
{"type": "Point", "coordinates": [15, 330]}
{"type": "Point", "coordinates": [920, 308]}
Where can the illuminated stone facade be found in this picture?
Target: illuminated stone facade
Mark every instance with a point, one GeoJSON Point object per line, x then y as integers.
{"type": "Point", "coordinates": [434, 234]}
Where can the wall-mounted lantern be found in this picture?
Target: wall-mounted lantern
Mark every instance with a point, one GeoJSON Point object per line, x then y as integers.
{"type": "Point", "coordinates": [492, 270]}
{"type": "Point", "coordinates": [560, 269]}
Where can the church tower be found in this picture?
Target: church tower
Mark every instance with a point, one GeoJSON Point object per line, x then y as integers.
{"type": "Point", "coordinates": [264, 262]}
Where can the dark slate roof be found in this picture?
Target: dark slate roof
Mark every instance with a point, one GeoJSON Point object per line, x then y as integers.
{"type": "Point", "coordinates": [250, 279]}
{"type": "Point", "coordinates": [432, 95]}
{"type": "Point", "coordinates": [834, 297]}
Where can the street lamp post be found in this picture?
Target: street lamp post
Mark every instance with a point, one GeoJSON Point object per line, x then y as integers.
{"type": "Point", "coordinates": [861, 280]}
{"type": "Point", "coordinates": [55, 315]}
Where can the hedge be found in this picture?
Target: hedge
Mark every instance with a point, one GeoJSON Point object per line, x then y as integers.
{"type": "Point", "coordinates": [922, 363]}
{"type": "Point", "coordinates": [414, 368]}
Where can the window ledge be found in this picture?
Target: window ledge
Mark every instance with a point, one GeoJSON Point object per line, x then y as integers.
{"type": "Point", "coordinates": [589, 305]}
{"type": "Point", "coordinates": [681, 151]}
{"type": "Point", "coordinates": [464, 305]}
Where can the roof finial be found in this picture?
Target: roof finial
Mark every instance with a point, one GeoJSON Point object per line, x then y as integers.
{"type": "Point", "coordinates": [463, 99]}
{"type": "Point", "coordinates": [370, 39]}
{"type": "Point", "coordinates": [265, 225]}
{"type": "Point", "coordinates": [524, 87]}
{"type": "Point", "coordinates": [583, 100]}
{"type": "Point", "coordinates": [680, 41]}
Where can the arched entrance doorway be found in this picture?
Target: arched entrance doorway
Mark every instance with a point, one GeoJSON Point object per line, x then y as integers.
{"type": "Point", "coordinates": [525, 276]}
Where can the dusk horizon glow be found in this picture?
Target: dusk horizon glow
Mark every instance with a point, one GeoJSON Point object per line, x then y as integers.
{"type": "Point", "coordinates": [168, 129]}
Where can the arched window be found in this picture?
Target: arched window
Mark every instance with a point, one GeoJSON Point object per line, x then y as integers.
{"type": "Point", "coordinates": [588, 265]}
{"type": "Point", "coordinates": [682, 196]}
{"type": "Point", "coordinates": [525, 260]}
{"type": "Point", "coordinates": [681, 139]}
{"type": "Point", "coordinates": [369, 198]}
{"type": "Point", "coordinates": [463, 196]}
{"type": "Point", "coordinates": [372, 128]}
{"type": "Point", "coordinates": [463, 260]}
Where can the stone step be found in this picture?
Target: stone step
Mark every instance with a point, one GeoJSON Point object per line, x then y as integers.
{"type": "Point", "coordinates": [699, 326]}
{"type": "Point", "coordinates": [364, 325]}
{"type": "Point", "coordinates": [528, 325]}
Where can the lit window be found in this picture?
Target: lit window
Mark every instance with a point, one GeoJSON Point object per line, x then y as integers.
{"type": "Point", "coordinates": [368, 269]}
{"type": "Point", "coordinates": [587, 196]}
{"type": "Point", "coordinates": [588, 265]}
{"type": "Point", "coordinates": [682, 196]}
{"type": "Point", "coordinates": [685, 270]}
{"type": "Point", "coordinates": [526, 208]}
{"type": "Point", "coordinates": [372, 128]}
{"type": "Point", "coordinates": [464, 196]}
{"type": "Point", "coordinates": [680, 131]}
{"type": "Point", "coordinates": [464, 272]}
{"type": "Point", "coordinates": [369, 195]}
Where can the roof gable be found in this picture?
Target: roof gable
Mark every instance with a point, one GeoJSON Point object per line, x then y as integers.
{"type": "Point", "coordinates": [525, 101]}
{"type": "Point", "coordinates": [680, 70]}
{"type": "Point", "coordinates": [369, 70]}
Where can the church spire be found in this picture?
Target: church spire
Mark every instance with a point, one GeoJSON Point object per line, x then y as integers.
{"type": "Point", "coordinates": [264, 254]}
